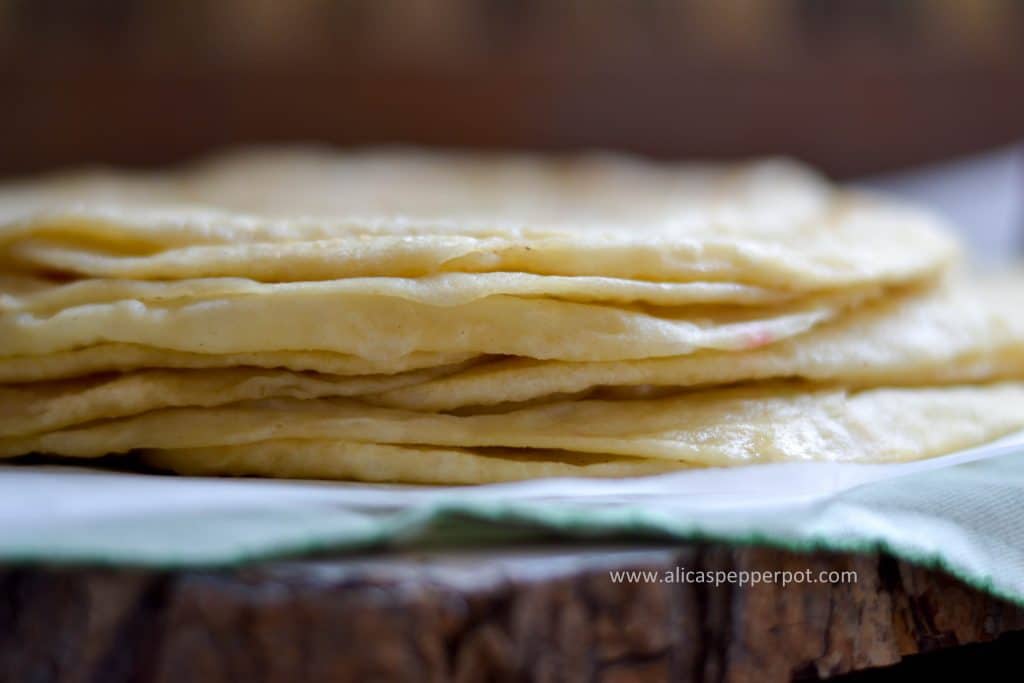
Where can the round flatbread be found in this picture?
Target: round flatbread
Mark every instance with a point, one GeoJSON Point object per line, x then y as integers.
{"type": "Point", "coordinates": [38, 295]}
{"type": "Point", "coordinates": [964, 331]}
{"type": "Point", "coordinates": [40, 407]}
{"type": "Point", "coordinates": [304, 215]}
{"type": "Point", "coordinates": [103, 358]}
{"type": "Point", "coordinates": [395, 464]}
{"type": "Point", "coordinates": [386, 327]}
{"type": "Point", "coordinates": [724, 427]}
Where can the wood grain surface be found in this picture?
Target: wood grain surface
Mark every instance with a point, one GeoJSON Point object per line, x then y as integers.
{"type": "Point", "coordinates": [851, 86]}
{"type": "Point", "coordinates": [550, 614]}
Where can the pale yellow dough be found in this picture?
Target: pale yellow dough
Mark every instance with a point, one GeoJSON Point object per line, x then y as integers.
{"type": "Point", "coordinates": [308, 215]}
{"type": "Point", "coordinates": [103, 358]}
{"type": "Point", "coordinates": [40, 407]}
{"type": "Point", "coordinates": [453, 318]}
{"type": "Point", "coordinates": [395, 464]}
{"type": "Point", "coordinates": [964, 331]}
{"type": "Point", "coordinates": [721, 427]}
{"type": "Point", "coordinates": [386, 327]}
{"type": "Point", "coordinates": [37, 295]}
{"type": "Point", "coordinates": [961, 332]}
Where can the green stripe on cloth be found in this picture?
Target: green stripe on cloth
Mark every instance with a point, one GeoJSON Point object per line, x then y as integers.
{"type": "Point", "coordinates": [966, 520]}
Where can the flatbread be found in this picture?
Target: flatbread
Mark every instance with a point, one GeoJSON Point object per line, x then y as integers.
{"type": "Point", "coordinates": [37, 295]}
{"type": "Point", "coordinates": [39, 407]}
{"type": "Point", "coordinates": [303, 215]}
{"type": "Point", "coordinates": [965, 331]}
{"type": "Point", "coordinates": [103, 358]}
{"type": "Point", "coordinates": [726, 427]}
{"type": "Point", "coordinates": [218, 287]}
{"type": "Point", "coordinates": [382, 327]}
{"type": "Point", "coordinates": [395, 464]}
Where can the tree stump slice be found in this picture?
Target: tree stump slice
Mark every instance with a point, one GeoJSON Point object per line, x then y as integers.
{"type": "Point", "coordinates": [544, 614]}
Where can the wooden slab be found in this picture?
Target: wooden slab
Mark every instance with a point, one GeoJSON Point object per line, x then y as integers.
{"type": "Point", "coordinates": [547, 614]}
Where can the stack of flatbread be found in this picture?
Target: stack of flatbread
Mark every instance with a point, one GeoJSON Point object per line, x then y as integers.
{"type": "Point", "coordinates": [429, 318]}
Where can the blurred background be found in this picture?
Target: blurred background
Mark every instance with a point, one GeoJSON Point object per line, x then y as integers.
{"type": "Point", "coordinates": [854, 86]}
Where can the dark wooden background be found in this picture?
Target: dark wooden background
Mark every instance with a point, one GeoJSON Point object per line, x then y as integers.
{"type": "Point", "coordinates": [851, 85]}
